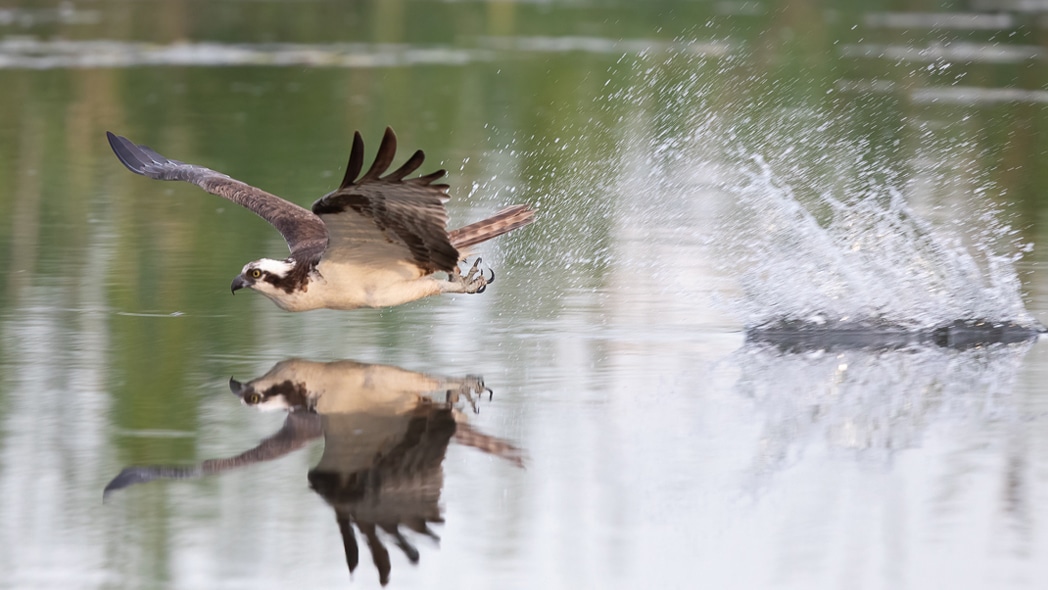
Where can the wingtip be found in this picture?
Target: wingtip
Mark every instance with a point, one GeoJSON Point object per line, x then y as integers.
{"type": "Point", "coordinates": [114, 140]}
{"type": "Point", "coordinates": [356, 162]}
{"type": "Point", "coordinates": [123, 149]}
{"type": "Point", "coordinates": [387, 149]}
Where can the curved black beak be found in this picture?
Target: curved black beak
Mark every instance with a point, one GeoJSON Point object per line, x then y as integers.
{"type": "Point", "coordinates": [236, 387]}
{"type": "Point", "coordinates": [238, 283]}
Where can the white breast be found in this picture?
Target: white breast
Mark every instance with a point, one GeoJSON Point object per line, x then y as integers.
{"type": "Point", "coordinates": [351, 286]}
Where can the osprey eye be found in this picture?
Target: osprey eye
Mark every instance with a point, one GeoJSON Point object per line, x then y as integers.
{"type": "Point", "coordinates": [253, 398]}
{"type": "Point", "coordinates": [256, 274]}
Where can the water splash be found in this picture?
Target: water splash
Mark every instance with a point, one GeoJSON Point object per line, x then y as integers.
{"type": "Point", "coordinates": [865, 260]}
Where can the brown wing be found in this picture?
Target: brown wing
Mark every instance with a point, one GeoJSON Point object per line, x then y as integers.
{"type": "Point", "coordinates": [376, 220]}
{"type": "Point", "coordinates": [302, 230]}
{"type": "Point", "coordinates": [299, 428]}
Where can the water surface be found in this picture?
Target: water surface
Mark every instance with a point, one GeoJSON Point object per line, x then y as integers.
{"type": "Point", "coordinates": [663, 145]}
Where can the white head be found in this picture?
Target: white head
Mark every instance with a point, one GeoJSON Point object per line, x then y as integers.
{"type": "Point", "coordinates": [270, 277]}
{"type": "Point", "coordinates": [271, 394]}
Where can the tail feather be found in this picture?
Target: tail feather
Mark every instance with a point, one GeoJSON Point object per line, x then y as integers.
{"type": "Point", "coordinates": [505, 221]}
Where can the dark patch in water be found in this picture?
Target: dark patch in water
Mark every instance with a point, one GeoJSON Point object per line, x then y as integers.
{"type": "Point", "coordinates": [804, 336]}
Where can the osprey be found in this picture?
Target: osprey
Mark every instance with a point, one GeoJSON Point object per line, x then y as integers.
{"type": "Point", "coordinates": [373, 242]}
{"type": "Point", "coordinates": [386, 433]}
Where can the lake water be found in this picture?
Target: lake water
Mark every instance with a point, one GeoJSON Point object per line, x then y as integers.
{"type": "Point", "coordinates": [698, 168]}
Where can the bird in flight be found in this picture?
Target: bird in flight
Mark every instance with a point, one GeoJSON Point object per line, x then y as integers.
{"type": "Point", "coordinates": [373, 242]}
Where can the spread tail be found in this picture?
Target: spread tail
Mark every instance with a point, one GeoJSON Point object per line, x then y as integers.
{"type": "Point", "coordinates": [505, 221]}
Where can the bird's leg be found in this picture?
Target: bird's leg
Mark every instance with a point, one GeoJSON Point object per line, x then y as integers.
{"type": "Point", "coordinates": [474, 280]}
{"type": "Point", "coordinates": [468, 387]}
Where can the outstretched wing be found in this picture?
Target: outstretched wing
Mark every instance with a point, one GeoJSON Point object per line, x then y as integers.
{"type": "Point", "coordinates": [299, 428]}
{"type": "Point", "coordinates": [301, 229]}
{"type": "Point", "coordinates": [380, 220]}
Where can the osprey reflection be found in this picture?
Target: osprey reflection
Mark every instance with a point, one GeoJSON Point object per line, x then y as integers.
{"type": "Point", "coordinates": [386, 431]}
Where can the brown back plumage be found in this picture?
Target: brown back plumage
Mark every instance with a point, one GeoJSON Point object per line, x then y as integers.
{"type": "Point", "coordinates": [405, 215]}
{"type": "Point", "coordinates": [375, 219]}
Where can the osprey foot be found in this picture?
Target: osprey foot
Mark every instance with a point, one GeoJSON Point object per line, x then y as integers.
{"type": "Point", "coordinates": [474, 281]}
{"type": "Point", "coordinates": [470, 386]}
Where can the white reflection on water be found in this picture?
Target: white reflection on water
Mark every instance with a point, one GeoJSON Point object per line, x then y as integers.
{"type": "Point", "coordinates": [846, 452]}
{"type": "Point", "coordinates": [65, 14]}
{"type": "Point", "coordinates": [55, 430]}
{"type": "Point", "coordinates": [871, 402]}
{"type": "Point", "coordinates": [32, 53]}
{"type": "Point", "coordinates": [960, 52]}
{"type": "Point", "coordinates": [930, 20]}
{"type": "Point", "coordinates": [599, 45]}
{"type": "Point", "coordinates": [972, 95]}
{"type": "Point", "coordinates": [953, 95]}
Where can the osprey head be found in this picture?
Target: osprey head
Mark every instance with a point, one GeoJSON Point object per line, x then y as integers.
{"type": "Point", "coordinates": [265, 275]}
{"type": "Point", "coordinates": [284, 395]}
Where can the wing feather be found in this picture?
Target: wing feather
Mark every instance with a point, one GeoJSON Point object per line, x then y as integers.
{"type": "Point", "coordinates": [387, 150]}
{"type": "Point", "coordinates": [408, 167]}
{"type": "Point", "coordinates": [381, 220]}
{"type": "Point", "coordinates": [302, 230]}
{"type": "Point", "coordinates": [356, 161]}
{"type": "Point", "coordinates": [428, 179]}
